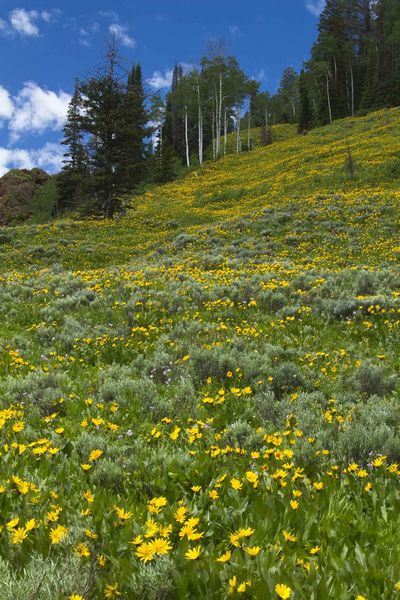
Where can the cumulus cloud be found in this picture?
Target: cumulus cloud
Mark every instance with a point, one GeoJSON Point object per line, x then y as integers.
{"type": "Point", "coordinates": [6, 104]}
{"type": "Point", "coordinates": [160, 80]}
{"type": "Point", "coordinates": [315, 7]}
{"type": "Point", "coordinates": [49, 158]}
{"type": "Point", "coordinates": [32, 111]}
{"type": "Point", "coordinates": [23, 22]}
{"type": "Point", "coordinates": [37, 109]}
{"type": "Point", "coordinates": [121, 33]}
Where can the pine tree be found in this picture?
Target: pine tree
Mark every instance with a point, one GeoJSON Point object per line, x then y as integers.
{"type": "Point", "coordinates": [132, 168]}
{"type": "Point", "coordinates": [305, 111]}
{"type": "Point", "coordinates": [288, 96]}
{"type": "Point", "coordinates": [71, 180]}
{"type": "Point", "coordinates": [164, 161]}
{"type": "Point", "coordinates": [331, 55]}
{"type": "Point", "coordinates": [174, 128]}
{"type": "Point", "coordinates": [104, 121]}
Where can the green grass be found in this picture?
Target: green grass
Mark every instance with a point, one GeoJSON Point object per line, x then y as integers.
{"type": "Point", "coordinates": [230, 349]}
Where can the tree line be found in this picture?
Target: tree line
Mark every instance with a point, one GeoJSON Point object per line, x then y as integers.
{"type": "Point", "coordinates": [118, 137]}
{"type": "Point", "coordinates": [355, 63]}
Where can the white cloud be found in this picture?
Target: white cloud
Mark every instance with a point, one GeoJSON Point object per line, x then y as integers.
{"type": "Point", "coordinates": [120, 32]}
{"type": "Point", "coordinates": [6, 104]}
{"type": "Point", "coordinates": [14, 159]}
{"type": "Point", "coordinates": [109, 14]}
{"type": "Point", "coordinates": [49, 158]}
{"type": "Point", "coordinates": [23, 22]}
{"type": "Point", "coordinates": [315, 7]}
{"type": "Point", "coordinates": [37, 109]}
{"type": "Point", "coordinates": [46, 16]}
{"type": "Point", "coordinates": [86, 32]}
{"type": "Point", "coordinates": [234, 30]}
{"type": "Point", "coordinates": [160, 80]}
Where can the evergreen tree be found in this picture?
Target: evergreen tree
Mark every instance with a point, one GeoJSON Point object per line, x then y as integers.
{"type": "Point", "coordinates": [103, 120]}
{"type": "Point", "coordinates": [164, 161]}
{"type": "Point", "coordinates": [287, 96]}
{"type": "Point", "coordinates": [132, 167]}
{"type": "Point", "coordinates": [355, 62]}
{"type": "Point", "coordinates": [331, 56]}
{"type": "Point", "coordinates": [174, 129]}
{"type": "Point", "coordinates": [305, 111]}
{"type": "Point", "coordinates": [71, 180]}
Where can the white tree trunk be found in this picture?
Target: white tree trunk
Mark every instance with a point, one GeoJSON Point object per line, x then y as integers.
{"type": "Point", "coordinates": [187, 139]}
{"type": "Point", "coordinates": [225, 131]}
{"type": "Point", "coordinates": [352, 89]}
{"type": "Point", "coordinates": [200, 124]}
{"type": "Point", "coordinates": [249, 130]}
{"type": "Point", "coordinates": [238, 141]}
{"type": "Point", "coordinates": [219, 122]}
{"type": "Point", "coordinates": [293, 107]}
{"type": "Point", "coordinates": [213, 136]}
{"type": "Point", "coordinates": [328, 94]}
{"type": "Point", "coordinates": [218, 116]}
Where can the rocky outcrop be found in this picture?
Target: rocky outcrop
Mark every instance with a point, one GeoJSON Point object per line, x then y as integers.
{"type": "Point", "coordinates": [17, 188]}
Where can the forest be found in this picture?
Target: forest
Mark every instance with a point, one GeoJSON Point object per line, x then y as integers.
{"type": "Point", "coordinates": [119, 138]}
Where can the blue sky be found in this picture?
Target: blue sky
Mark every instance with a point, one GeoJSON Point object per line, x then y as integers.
{"type": "Point", "coordinates": [44, 45]}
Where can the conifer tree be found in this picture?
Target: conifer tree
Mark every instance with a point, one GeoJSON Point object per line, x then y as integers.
{"type": "Point", "coordinates": [164, 160]}
{"type": "Point", "coordinates": [305, 111]}
{"type": "Point", "coordinates": [174, 128]}
{"type": "Point", "coordinates": [263, 135]}
{"type": "Point", "coordinates": [133, 131]}
{"type": "Point", "coordinates": [71, 180]}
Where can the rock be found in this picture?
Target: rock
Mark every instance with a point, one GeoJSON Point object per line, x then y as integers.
{"type": "Point", "coordinates": [17, 188]}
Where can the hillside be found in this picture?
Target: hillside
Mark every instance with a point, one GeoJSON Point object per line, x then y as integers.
{"type": "Point", "coordinates": [25, 192]}
{"type": "Point", "coordinates": [201, 398]}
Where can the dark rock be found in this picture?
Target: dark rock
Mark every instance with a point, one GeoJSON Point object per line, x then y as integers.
{"type": "Point", "coordinates": [17, 188]}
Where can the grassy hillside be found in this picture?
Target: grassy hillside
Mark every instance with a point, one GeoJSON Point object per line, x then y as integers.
{"type": "Point", "coordinates": [200, 399]}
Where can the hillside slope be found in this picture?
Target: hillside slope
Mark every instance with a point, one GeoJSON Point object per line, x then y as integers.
{"type": "Point", "coordinates": [20, 189]}
{"type": "Point", "coordinates": [297, 170]}
{"type": "Point", "coordinates": [201, 399]}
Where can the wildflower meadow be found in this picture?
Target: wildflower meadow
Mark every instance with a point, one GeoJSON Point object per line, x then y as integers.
{"type": "Point", "coordinates": [200, 399]}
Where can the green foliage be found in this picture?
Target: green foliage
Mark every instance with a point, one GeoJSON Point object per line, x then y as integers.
{"type": "Point", "coordinates": [219, 364]}
{"type": "Point", "coordinates": [44, 202]}
{"type": "Point", "coordinates": [372, 380]}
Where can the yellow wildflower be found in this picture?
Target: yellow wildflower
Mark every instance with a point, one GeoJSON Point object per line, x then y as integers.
{"type": "Point", "coordinates": [193, 553]}
{"type": "Point", "coordinates": [283, 591]}
{"type": "Point", "coordinates": [225, 557]}
{"type": "Point", "coordinates": [57, 534]}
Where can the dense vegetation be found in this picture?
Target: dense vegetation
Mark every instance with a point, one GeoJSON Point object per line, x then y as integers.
{"type": "Point", "coordinates": [199, 399]}
{"type": "Point", "coordinates": [112, 152]}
